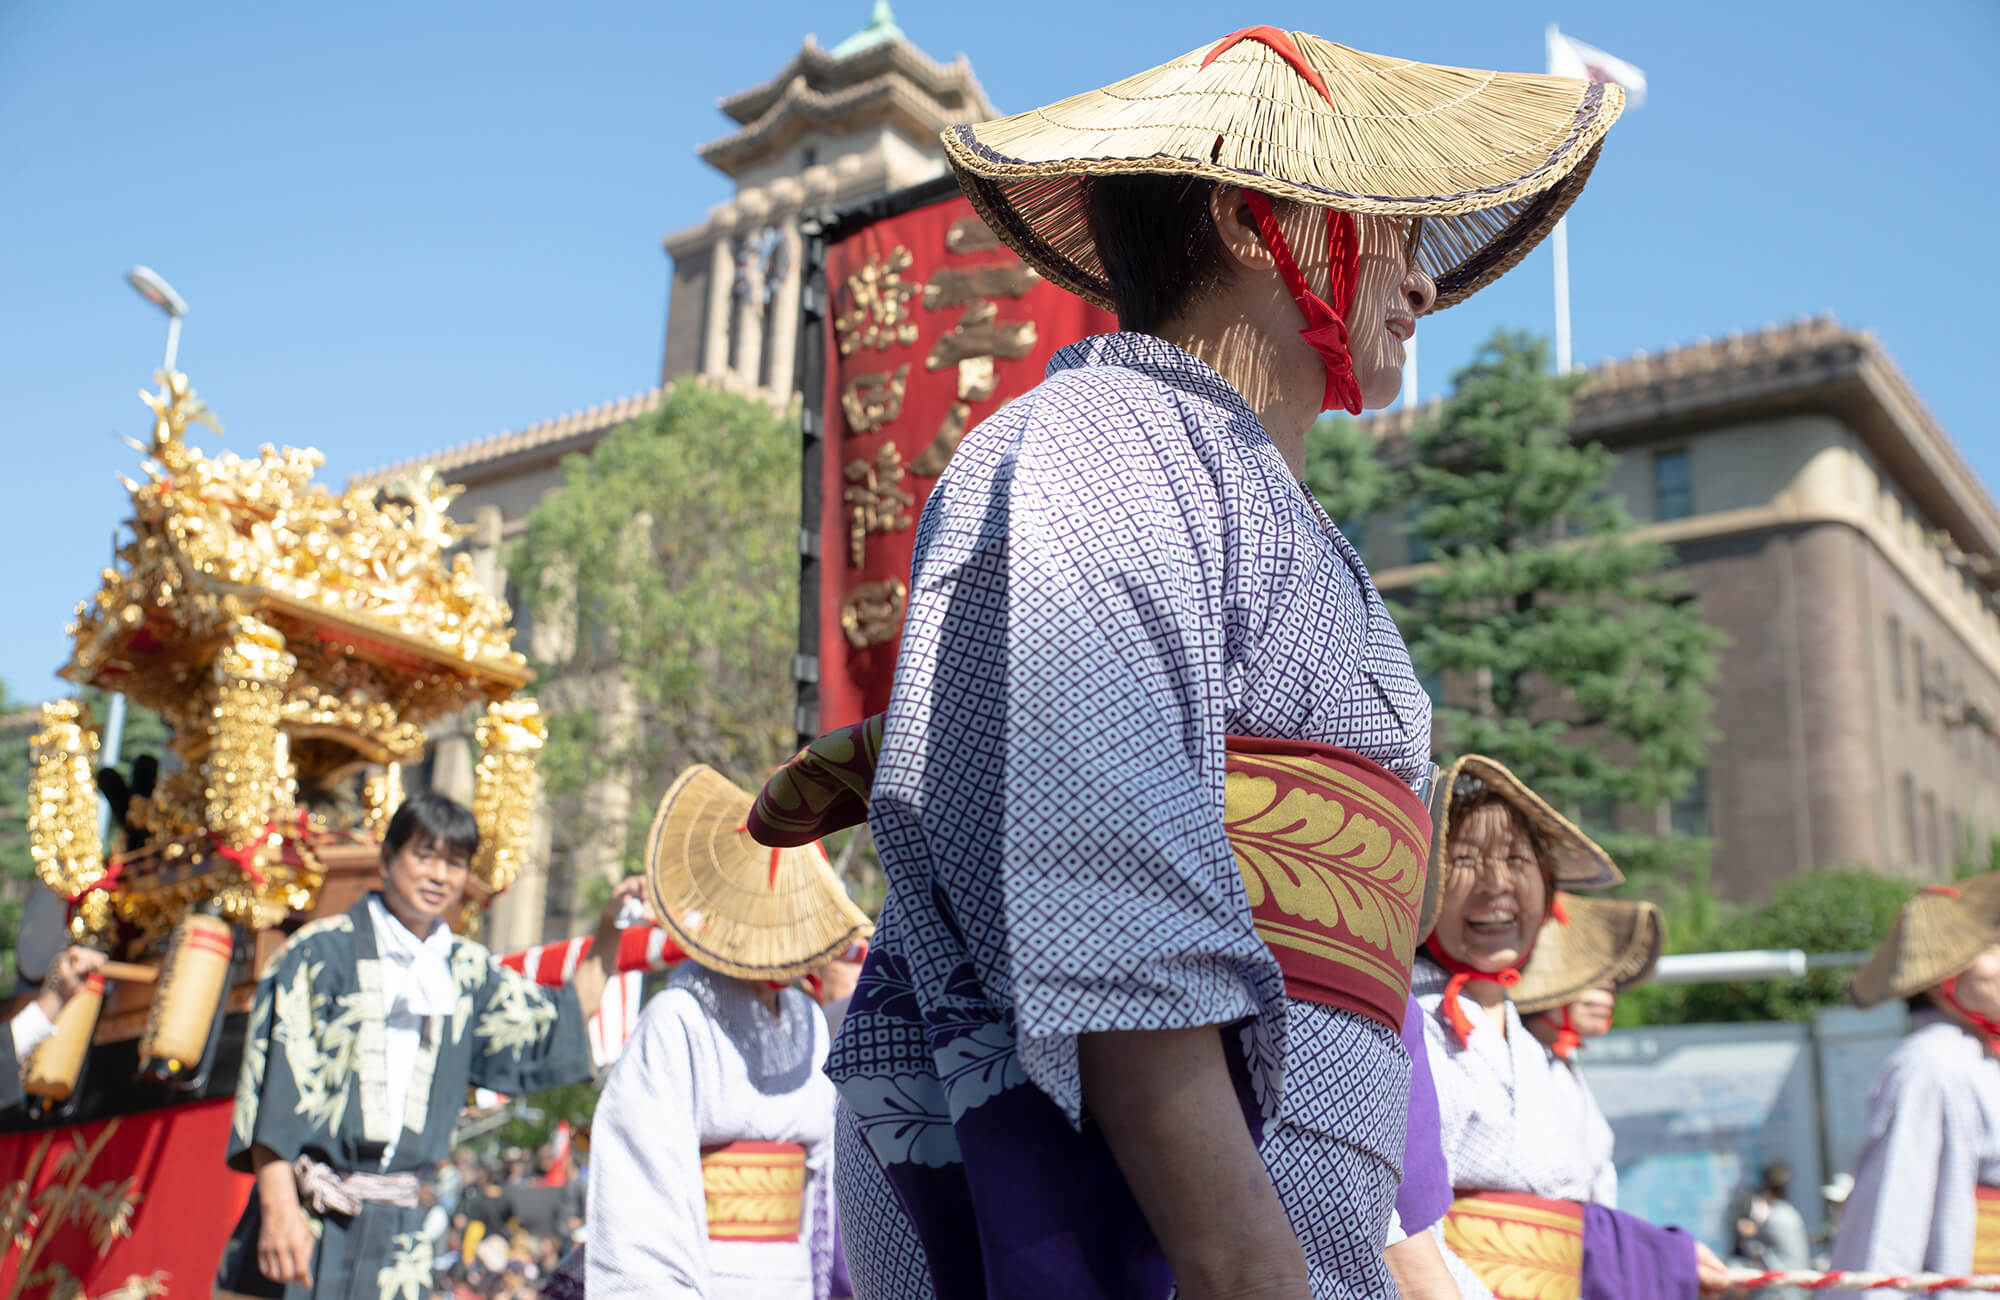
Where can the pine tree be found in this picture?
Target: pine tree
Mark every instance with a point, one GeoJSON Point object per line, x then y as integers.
{"type": "Point", "coordinates": [1570, 652]}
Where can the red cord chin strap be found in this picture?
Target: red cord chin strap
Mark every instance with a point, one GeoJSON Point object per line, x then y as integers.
{"type": "Point", "coordinates": [1326, 329]}
{"type": "Point", "coordinates": [1462, 975]}
{"type": "Point", "coordinates": [1988, 1027]}
{"type": "Point", "coordinates": [1567, 1039]}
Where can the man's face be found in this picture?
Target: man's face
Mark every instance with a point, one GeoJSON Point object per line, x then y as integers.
{"type": "Point", "coordinates": [424, 880]}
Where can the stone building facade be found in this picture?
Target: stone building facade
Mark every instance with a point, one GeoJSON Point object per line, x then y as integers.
{"type": "Point", "coordinates": [1824, 521]}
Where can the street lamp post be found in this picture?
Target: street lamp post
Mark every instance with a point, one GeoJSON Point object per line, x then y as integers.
{"type": "Point", "coordinates": [157, 291]}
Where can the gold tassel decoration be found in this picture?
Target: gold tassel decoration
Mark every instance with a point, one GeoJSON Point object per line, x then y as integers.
{"type": "Point", "coordinates": [62, 802]}
{"type": "Point", "coordinates": [503, 800]}
{"type": "Point", "coordinates": [247, 774]}
{"type": "Point", "coordinates": [381, 796]}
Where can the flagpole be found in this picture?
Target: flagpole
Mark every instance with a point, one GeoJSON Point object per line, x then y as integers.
{"type": "Point", "coordinates": [1559, 243]}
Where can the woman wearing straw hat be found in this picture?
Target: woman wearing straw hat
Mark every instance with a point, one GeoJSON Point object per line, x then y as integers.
{"type": "Point", "coordinates": [1069, 1037]}
{"type": "Point", "coordinates": [1590, 950]}
{"type": "Point", "coordinates": [1523, 1224]}
{"type": "Point", "coordinates": [712, 1149]}
{"type": "Point", "coordinates": [1926, 1195]}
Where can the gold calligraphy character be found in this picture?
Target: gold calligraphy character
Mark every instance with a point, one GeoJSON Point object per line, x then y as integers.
{"type": "Point", "coordinates": [878, 305]}
{"type": "Point", "coordinates": [875, 504]}
{"type": "Point", "coordinates": [873, 612]}
{"type": "Point", "coordinates": [872, 400]}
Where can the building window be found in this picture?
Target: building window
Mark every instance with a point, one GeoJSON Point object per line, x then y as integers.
{"type": "Point", "coordinates": [1922, 686]}
{"type": "Point", "coordinates": [1953, 845]}
{"type": "Point", "coordinates": [1673, 485]}
{"type": "Point", "coordinates": [1914, 845]}
{"type": "Point", "coordinates": [1598, 815]}
{"type": "Point", "coordinates": [809, 158]}
{"type": "Point", "coordinates": [1689, 814]}
{"type": "Point", "coordinates": [1931, 829]}
{"type": "Point", "coordinates": [1896, 656]}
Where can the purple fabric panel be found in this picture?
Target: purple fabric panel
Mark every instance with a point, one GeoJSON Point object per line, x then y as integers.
{"type": "Point", "coordinates": [1627, 1258]}
{"type": "Point", "coordinates": [840, 1286]}
{"type": "Point", "coordinates": [1425, 1193]}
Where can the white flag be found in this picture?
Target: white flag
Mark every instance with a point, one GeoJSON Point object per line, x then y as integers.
{"type": "Point", "coordinates": [1569, 57]}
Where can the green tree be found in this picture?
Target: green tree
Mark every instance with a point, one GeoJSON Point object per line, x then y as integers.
{"type": "Point", "coordinates": [1846, 910]}
{"type": "Point", "coordinates": [665, 572]}
{"type": "Point", "coordinates": [1586, 665]}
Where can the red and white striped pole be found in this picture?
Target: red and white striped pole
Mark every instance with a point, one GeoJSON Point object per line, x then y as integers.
{"type": "Point", "coordinates": [1751, 1279]}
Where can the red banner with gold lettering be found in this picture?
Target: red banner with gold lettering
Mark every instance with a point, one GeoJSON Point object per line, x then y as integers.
{"type": "Point", "coordinates": [140, 1205]}
{"type": "Point", "coordinates": [933, 325]}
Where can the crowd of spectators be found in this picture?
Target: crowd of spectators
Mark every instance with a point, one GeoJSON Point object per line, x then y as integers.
{"type": "Point", "coordinates": [499, 1225]}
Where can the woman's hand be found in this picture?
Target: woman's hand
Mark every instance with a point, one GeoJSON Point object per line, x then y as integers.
{"type": "Point", "coordinates": [591, 976]}
{"type": "Point", "coordinates": [1711, 1275]}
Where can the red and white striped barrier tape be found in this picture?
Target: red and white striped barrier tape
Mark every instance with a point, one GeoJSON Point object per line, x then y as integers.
{"type": "Point", "coordinates": [640, 948]}
{"type": "Point", "coordinates": [1751, 1279]}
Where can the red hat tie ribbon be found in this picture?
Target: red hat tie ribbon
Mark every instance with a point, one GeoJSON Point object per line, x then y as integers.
{"type": "Point", "coordinates": [1325, 331]}
{"type": "Point", "coordinates": [1988, 1027]}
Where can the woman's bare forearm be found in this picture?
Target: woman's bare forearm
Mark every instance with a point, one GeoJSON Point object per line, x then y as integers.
{"type": "Point", "coordinates": [1169, 1112]}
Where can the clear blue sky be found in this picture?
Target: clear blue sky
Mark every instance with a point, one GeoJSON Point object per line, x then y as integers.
{"type": "Point", "coordinates": [403, 226]}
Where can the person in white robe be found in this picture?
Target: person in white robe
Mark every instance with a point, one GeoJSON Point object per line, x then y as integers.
{"type": "Point", "coordinates": [1506, 1126]}
{"type": "Point", "coordinates": [711, 1171]}
{"type": "Point", "coordinates": [1589, 951]}
{"type": "Point", "coordinates": [1926, 1192]}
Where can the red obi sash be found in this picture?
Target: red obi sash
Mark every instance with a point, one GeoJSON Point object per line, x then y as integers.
{"type": "Point", "coordinates": [755, 1191]}
{"type": "Point", "coordinates": [1332, 849]}
{"type": "Point", "coordinates": [1986, 1232]}
{"type": "Point", "coordinates": [1522, 1247]}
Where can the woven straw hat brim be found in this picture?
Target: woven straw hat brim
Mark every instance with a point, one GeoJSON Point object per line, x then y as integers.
{"type": "Point", "coordinates": [1607, 942]}
{"type": "Point", "coordinates": [1576, 861]}
{"type": "Point", "coordinates": [1491, 160]}
{"type": "Point", "coordinates": [734, 905]}
{"type": "Point", "coordinates": [1935, 936]}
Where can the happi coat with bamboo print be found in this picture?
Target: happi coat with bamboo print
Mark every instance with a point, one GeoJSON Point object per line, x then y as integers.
{"type": "Point", "coordinates": [315, 1082]}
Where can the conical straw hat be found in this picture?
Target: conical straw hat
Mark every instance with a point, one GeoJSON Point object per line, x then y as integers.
{"type": "Point", "coordinates": [734, 905]}
{"type": "Point", "coordinates": [1575, 860]}
{"type": "Point", "coordinates": [1936, 935]}
{"type": "Point", "coordinates": [1592, 943]}
{"type": "Point", "coordinates": [1490, 160]}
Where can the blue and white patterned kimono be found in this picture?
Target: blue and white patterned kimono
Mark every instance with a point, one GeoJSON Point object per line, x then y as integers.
{"type": "Point", "coordinates": [314, 1083]}
{"type": "Point", "coordinates": [1115, 571]}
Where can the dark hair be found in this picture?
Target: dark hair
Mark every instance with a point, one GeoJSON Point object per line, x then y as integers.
{"type": "Point", "coordinates": [1777, 1177]}
{"type": "Point", "coordinates": [446, 823]}
{"type": "Point", "coordinates": [1158, 244]}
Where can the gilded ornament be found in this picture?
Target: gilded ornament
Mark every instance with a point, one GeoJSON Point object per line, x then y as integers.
{"type": "Point", "coordinates": [872, 400]}
{"type": "Point", "coordinates": [62, 800]}
{"type": "Point", "coordinates": [510, 735]}
{"type": "Point", "coordinates": [249, 784]}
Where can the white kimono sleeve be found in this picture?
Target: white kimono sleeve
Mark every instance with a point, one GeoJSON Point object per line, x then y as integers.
{"type": "Point", "coordinates": [648, 1224]}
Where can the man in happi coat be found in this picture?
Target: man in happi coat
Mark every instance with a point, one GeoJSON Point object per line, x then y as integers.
{"type": "Point", "coordinates": [1082, 1067]}
{"type": "Point", "coordinates": [1926, 1195]}
{"type": "Point", "coordinates": [712, 1147]}
{"type": "Point", "coordinates": [34, 1021]}
{"type": "Point", "coordinates": [367, 1029]}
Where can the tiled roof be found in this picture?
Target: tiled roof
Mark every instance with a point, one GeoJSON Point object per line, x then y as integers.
{"type": "Point", "coordinates": [595, 419]}
{"type": "Point", "coordinates": [801, 106]}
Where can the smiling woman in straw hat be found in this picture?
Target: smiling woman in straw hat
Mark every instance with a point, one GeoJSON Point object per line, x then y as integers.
{"type": "Point", "coordinates": [1590, 951]}
{"type": "Point", "coordinates": [1926, 1194]}
{"type": "Point", "coordinates": [712, 1144]}
{"type": "Point", "coordinates": [1517, 1157]}
{"type": "Point", "coordinates": [1069, 1038]}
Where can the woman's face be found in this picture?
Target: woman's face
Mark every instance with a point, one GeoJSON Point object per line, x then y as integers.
{"type": "Point", "coordinates": [1493, 899]}
{"type": "Point", "coordinates": [1390, 296]}
{"type": "Point", "coordinates": [1979, 984]}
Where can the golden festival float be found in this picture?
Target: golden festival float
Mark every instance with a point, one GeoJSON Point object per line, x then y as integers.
{"type": "Point", "coordinates": [296, 642]}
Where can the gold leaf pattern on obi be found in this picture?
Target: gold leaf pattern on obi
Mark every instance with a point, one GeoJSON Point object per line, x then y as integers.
{"type": "Point", "coordinates": [1520, 1252]}
{"type": "Point", "coordinates": [1324, 854]}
